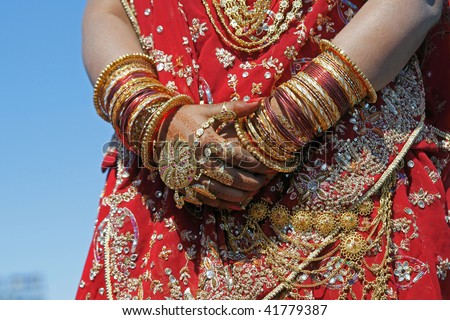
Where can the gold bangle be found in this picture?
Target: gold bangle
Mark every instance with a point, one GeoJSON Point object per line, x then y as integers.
{"type": "Point", "coordinates": [301, 104]}
{"type": "Point", "coordinates": [344, 75]}
{"type": "Point", "coordinates": [125, 91]}
{"type": "Point", "coordinates": [121, 73]}
{"type": "Point", "coordinates": [118, 108]}
{"type": "Point", "coordinates": [352, 90]}
{"type": "Point", "coordinates": [269, 141]}
{"type": "Point", "coordinates": [329, 105]}
{"type": "Point", "coordinates": [107, 106]}
{"type": "Point", "coordinates": [147, 84]}
{"type": "Point", "coordinates": [150, 130]}
{"type": "Point", "coordinates": [116, 64]}
{"type": "Point", "coordinates": [262, 143]}
{"type": "Point", "coordinates": [292, 88]}
{"type": "Point", "coordinates": [135, 131]}
{"type": "Point", "coordinates": [276, 138]}
{"type": "Point", "coordinates": [132, 87]}
{"type": "Point", "coordinates": [273, 132]}
{"type": "Point", "coordinates": [322, 111]}
{"type": "Point", "coordinates": [138, 119]}
{"type": "Point", "coordinates": [371, 93]}
{"type": "Point", "coordinates": [278, 166]}
{"type": "Point", "coordinates": [320, 107]}
{"type": "Point", "coordinates": [311, 104]}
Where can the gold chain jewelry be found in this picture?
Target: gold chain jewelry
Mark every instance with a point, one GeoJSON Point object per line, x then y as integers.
{"type": "Point", "coordinates": [339, 232]}
{"type": "Point", "coordinates": [246, 22]}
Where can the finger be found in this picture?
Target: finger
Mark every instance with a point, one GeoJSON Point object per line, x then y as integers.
{"type": "Point", "coordinates": [220, 204]}
{"type": "Point", "coordinates": [215, 203]}
{"type": "Point", "coordinates": [238, 156]}
{"type": "Point", "coordinates": [240, 108]}
{"type": "Point", "coordinates": [223, 192]}
{"type": "Point", "coordinates": [235, 156]}
{"type": "Point", "coordinates": [242, 180]}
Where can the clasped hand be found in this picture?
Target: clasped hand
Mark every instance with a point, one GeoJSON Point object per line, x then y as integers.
{"type": "Point", "coordinates": [224, 169]}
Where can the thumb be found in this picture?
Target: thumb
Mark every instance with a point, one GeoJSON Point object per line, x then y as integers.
{"type": "Point", "coordinates": [241, 108]}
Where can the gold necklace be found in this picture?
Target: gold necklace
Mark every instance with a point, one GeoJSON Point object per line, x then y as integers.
{"type": "Point", "coordinates": [246, 22]}
{"type": "Point", "coordinates": [240, 15]}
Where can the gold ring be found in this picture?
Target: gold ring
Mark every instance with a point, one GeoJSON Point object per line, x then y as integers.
{"type": "Point", "coordinates": [204, 190]}
{"type": "Point", "coordinates": [191, 196]}
{"type": "Point", "coordinates": [220, 175]}
{"type": "Point", "coordinates": [225, 115]}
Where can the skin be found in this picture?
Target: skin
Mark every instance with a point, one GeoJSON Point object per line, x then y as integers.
{"type": "Point", "coordinates": [380, 39]}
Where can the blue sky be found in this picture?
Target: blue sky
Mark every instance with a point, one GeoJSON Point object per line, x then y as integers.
{"type": "Point", "coordinates": [51, 146]}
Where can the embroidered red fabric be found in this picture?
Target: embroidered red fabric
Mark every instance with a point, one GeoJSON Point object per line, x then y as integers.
{"type": "Point", "coordinates": [144, 247]}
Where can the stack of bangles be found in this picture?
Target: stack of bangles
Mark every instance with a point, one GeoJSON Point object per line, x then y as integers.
{"type": "Point", "coordinates": [129, 96]}
{"type": "Point", "coordinates": [311, 102]}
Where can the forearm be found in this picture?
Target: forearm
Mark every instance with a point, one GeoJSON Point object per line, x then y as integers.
{"type": "Point", "coordinates": [384, 35]}
{"type": "Point", "coordinates": [379, 40]}
{"type": "Point", "coordinates": [107, 34]}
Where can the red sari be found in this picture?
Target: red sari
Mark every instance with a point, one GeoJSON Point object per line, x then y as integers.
{"type": "Point", "coordinates": [383, 155]}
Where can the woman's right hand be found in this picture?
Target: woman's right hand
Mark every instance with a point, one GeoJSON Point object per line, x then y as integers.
{"type": "Point", "coordinates": [248, 174]}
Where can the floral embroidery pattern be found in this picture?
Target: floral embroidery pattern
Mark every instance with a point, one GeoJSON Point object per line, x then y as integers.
{"type": "Point", "coordinates": [408, 271]}
{"type": "Point", "coordinates": [225, 57]}
{"type": "Point", "coordinates": [442, 267]}
{"type": "Point", "coordinates": [197, 29]}
{"type": "Point", "coordinates": [291, 53]}
{"type": "Point", "coordinates": [422, 198]}
{"type": "Point", "coordinates": [403, 271]}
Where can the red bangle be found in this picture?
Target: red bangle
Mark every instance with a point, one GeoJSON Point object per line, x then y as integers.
{"type": "Point", "coordinates": [294, 110]}
{"type": "Point", "coordinates": [329, 84]}
{"type": "Point", "coordinates": [120, 83]}
{"type": "Point", "coordinates": [128, 108]}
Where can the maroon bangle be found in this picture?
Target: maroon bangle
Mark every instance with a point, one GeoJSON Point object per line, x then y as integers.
{"type": "Point", "coordinates": [293, 110]}
{"type": "Point", "coordinates": [120, 83]}
{"type": "Point", "coordinates": [327, 81]}
{"type": "Point", "coordinates": [296, 114]}
{"type": "Point", "coordinates": [116, 120]}
{"type": "Point", "coordinates": [133, 101]}
{"type": "Point", "coordinates": [138, 100]}
{"type": "Point", "coordinates": [285, 105]}
{"type": "Point", "coordinates": [279, 126]}
{"type": "Point", "coordinates": [129, 107]}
